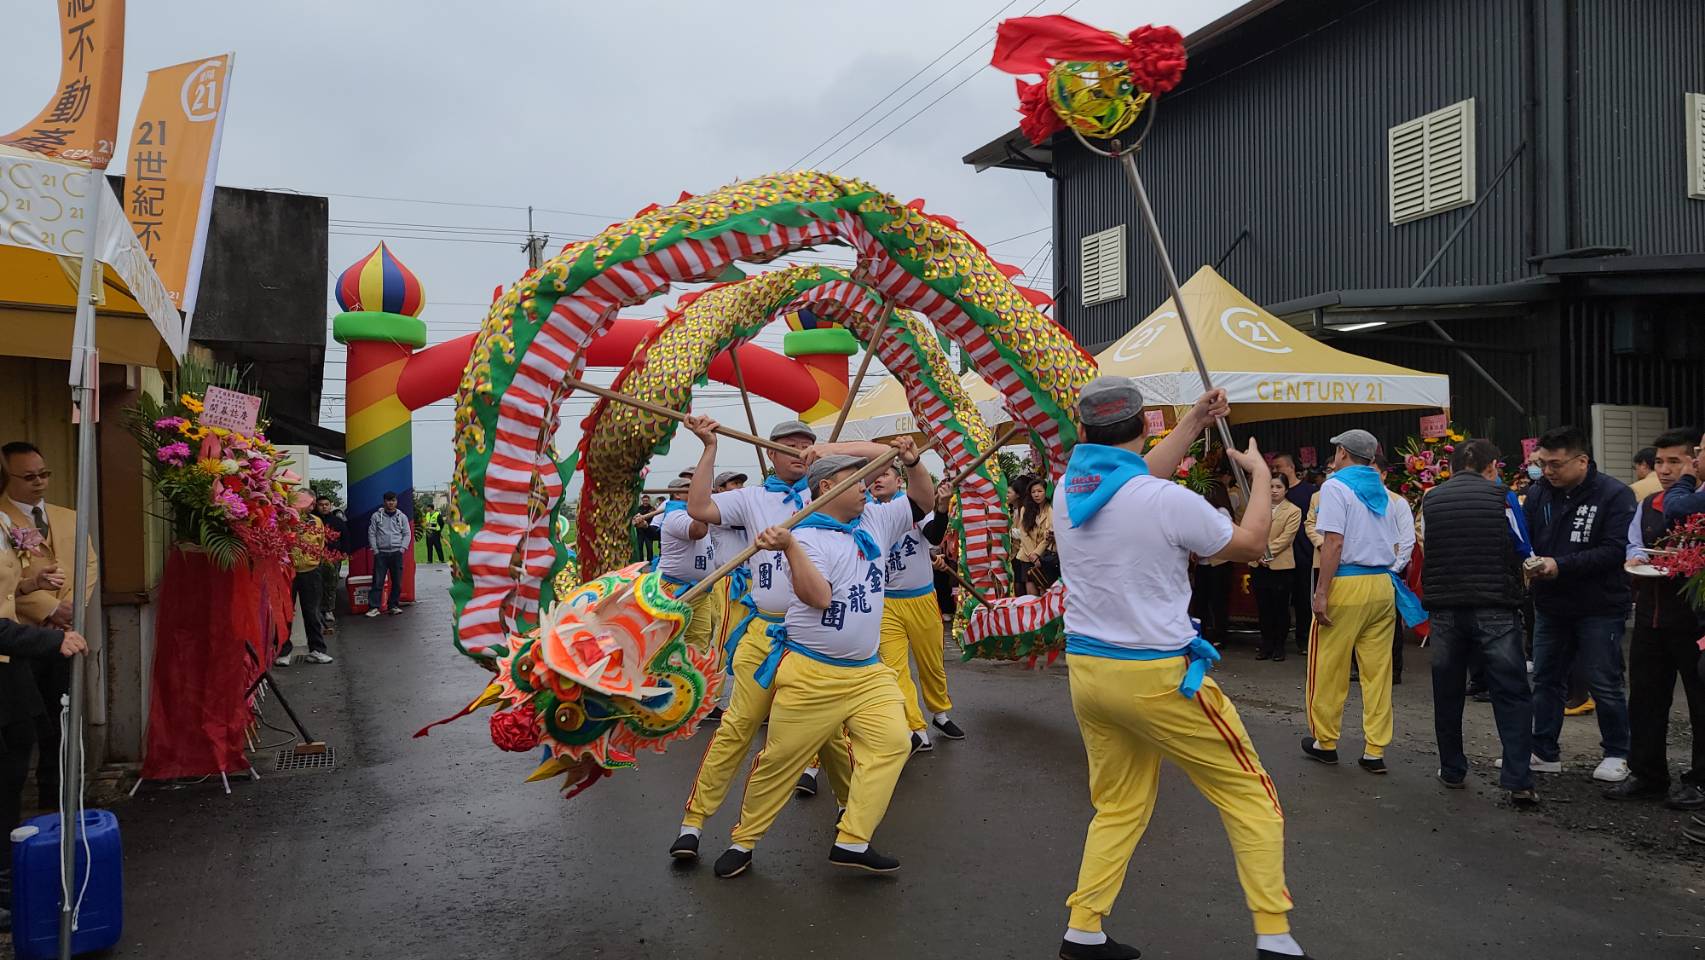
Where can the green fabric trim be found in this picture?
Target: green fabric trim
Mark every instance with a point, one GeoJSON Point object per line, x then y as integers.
{"type": "Point", "coordinates": [823, 340]}
{"type": "Point", "coordinates": [366, 325]}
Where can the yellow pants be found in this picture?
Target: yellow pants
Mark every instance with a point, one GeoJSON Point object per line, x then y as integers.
{"type": "Point", "coordinates": [813, 701]}
{"type": "Point", "coordinates": [1132, 716]}
{"type": "Point", "coordinates": [706, 624]}
{"type": "Point", "coordinates": [912, 625]}
{"type": "Point", "coordinates": [747, 708]}
{"type": "Point", "coordinates": [1363, 611]}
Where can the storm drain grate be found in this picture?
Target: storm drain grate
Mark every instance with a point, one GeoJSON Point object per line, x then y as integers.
{"type": "Point", "coordinates": [289, 760]}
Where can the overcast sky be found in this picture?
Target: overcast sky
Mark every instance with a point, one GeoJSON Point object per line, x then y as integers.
{"type": "Point", "coordinates": [587, 112]}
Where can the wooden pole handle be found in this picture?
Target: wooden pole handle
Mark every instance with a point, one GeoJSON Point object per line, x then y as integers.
{"type": "Point", "coordinates": [650, 407]}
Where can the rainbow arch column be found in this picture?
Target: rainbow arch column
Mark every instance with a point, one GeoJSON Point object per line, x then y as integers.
{"type": "Point", "coordinates": [381, 329]}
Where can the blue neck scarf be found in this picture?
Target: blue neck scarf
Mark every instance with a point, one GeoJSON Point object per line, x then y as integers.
{"type": "Point", "coordinates": [790, 491]}
{"type": "Point", "coordinates": [867, 547]}
{"type": "Point", "coordinates": [1365, 483]}
{"type": "Point", "coordinates": [674, 505]}
{"type": "Point", "coordinates": [1094, 474]}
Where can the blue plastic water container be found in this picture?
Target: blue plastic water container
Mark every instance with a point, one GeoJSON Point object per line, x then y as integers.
{"type": "Point", "coordinates": [36, 887]}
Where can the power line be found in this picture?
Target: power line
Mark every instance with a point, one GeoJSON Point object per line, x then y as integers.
{"type": "Point", "coordinates": [867, 110]}
{"type": "Point", "coordinates": [448, 203]}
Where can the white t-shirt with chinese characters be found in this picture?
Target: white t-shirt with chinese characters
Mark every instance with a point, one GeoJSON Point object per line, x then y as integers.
{"type": "Point", "coordinates": [681, 556]}
{"type": "Point", "coordinates": [908, 568]}
{"type": "Point", "coordinates": [1127, 570]}
{"type": "Point", "coordinates": [757, 510]}
{"type": "Point", "coordinates": [1369, 541]}
{"type": "Point", "coordinates": [727, 541]}
{"type": "Point", "coordinates": [851, 627]}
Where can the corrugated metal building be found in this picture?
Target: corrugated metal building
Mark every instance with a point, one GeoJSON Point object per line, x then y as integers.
{"type": "Point", "coordinates": [1528, 175]}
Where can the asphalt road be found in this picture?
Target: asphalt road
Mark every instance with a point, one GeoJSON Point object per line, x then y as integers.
{"type": "Point", "coordinates": [434, 848]}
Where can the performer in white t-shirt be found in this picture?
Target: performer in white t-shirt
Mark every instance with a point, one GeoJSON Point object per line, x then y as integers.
{"type": "Point", "coordinates": [1138, 666]}
{"type": "Point", "coordinates": [731, 591]}
{"type": "Point", "coordinates": [687, 554]}
{"type": "Point", "coordinates": [825, 670]}
{"type": "Point", "coordinates": [911, 622]}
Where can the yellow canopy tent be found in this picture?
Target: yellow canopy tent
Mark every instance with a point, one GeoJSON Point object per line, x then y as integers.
{"type": "Point", "coordinates": [1269, 369]}
{"type": "Point", "coordinates": [881, 412]}
{"type": "Point", "coordinates": [41, 243]}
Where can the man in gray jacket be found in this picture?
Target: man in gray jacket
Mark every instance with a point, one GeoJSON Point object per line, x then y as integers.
{"type": "Point", "coordinates": [389, 534]}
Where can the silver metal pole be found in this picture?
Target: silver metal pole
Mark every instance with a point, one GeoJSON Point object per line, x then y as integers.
{"type": "Point", "coordinates": [85, 377]}
{"type": "Point", "coordinates": [1129, 163]}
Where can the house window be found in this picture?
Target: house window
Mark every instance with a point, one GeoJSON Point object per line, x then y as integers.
{"type": "Point", "coordinates": [1101, 260]}
{"type": "Point", "coordinates": [1696, 146]}
{"type": "Point", "coordinates": [1430, 163]}
{"type": "Point", "coordinates": [1620, 431]}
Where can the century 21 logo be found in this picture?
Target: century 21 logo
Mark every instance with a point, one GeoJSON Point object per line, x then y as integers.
{"type": "Point", "coordinates": [204, 91]}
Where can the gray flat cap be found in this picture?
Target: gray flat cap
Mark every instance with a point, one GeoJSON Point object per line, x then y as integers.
{"type": "Point", "coordinates": [1109, 399]}
{"type": "Point", "coordinates": [727, 476]}
{"type": "Point", "coordinates": [1360, 443]}
{"type": "Point", "coordinates": [826, 467]}
{"type": "Point", "coordinates": [792, 428]}
{"type": "Point", "coordinates": [680, 483]}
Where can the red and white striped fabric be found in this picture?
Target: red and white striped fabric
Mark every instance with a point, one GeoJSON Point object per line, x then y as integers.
{"type": "Point", "coordinates": [1015, 616]}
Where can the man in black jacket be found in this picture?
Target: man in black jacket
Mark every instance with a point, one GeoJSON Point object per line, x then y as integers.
{"type": "Point", "coordinates": [20, 705]}
{"type": "Point", "coordinates": [1665, 644]}
{"type": "Point", "coordinates": [1472, 587]}
{"type": "Point", "coordinates": [1579, 521]}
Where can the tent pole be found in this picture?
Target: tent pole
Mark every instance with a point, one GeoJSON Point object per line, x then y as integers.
{"type": "Point", "coordinates": [84, 378]}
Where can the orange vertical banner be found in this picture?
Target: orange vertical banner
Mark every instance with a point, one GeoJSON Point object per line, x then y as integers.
{"type": "Point", "coordinates": [174, 156]}
{"type": "Point", "coordinates": [80, 122]}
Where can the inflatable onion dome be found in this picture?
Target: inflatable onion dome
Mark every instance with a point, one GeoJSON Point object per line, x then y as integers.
{"type": "Point", "coordinates": [379, 283]}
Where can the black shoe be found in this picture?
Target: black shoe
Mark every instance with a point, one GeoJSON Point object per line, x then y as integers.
{"type": "Point", "coordinates": [1635, 788]}
{"type": "Point", "coordinates": [1695, 834]}
{"type": "Point", "coordinates": [1371, 764]}
{"type": "Point", "coordinates": [1688, 796]}
{"type": "Point", "coordinates": [1279, 657]}
{"type": "Point", "coordinates": [868, 859]}
{"type": "Point", "coordinates": [1482, 696]}
{"type": "Point", "coordinates": [1329, 757]}
{"type": "Point", "coordinates": [949, 729]}
{"type": "Point", "coordinates": [918, 743]}
{"type": "Point", "coordinates": [1270, 955]}
{"type": "Point", "coordinates": [1524, 798]}
{"type": "Point", "coordinates": [1458, 784]}
{"type": "Point", "coordinates": [1397, 679]}
{"type": "Point", "coordinates": [686, 847]}
{"type": "Point", "coordinates": [732, 863]}
{"type": "Point", "coordinates": [1109, 949]}
{"type": "Point", "coordinates": [1262, 656]}
{"type": "Point", "coordinates": [806, 788]}
{"type": "Point", "coordinates": [714, 716]}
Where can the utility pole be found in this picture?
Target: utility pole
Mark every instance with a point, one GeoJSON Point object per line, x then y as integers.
{"type": "Point", "coordinates": [535, 245]}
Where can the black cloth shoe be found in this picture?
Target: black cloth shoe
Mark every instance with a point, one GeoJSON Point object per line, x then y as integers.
{"type": "Point", "coordinates": [1482, 696]}
{"type": "Point", "coordinates": [1635, 788]}
{"type": "Point", "coordinates": [918, 743]}
{"type": "Point", "coordinates": [1109, 949]}
{"type": "Point", "coordinates": [1329, 757]}
{"type": "Point", "coordinates": [732, 863]}
{"type": "Point", "coordinates": [806, 788]}
{"type": "Point", "coordinates": [1262, 656]}
{"type": "Point", "coordinates": [949, 729]}
{"type": "Point", "coordinates": [1270, 955]}
{"type": "Point", "coordinates": [1459, 784]}
{"type": "Point", "coordinates": [714, 716]}
{"type": "Point", "coordinates": [1279, 657]}
{"type": "Point", "coordinates": [1371, 764]}
{"type": "Point", "coordinates": [1688, 796]}
{"type": "Point", "coordinates": [686, 847]}
{"type": "Point", "coordinates": [869, 859]}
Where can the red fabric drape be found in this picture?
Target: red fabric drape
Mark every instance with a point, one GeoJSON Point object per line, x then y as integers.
{"type": "Point", "coordinates": [214, 632]}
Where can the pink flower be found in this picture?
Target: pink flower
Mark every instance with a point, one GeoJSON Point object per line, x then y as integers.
{"type": "Point", "coordinates": [26, 539]}
{"type": "Point", "coordinates": [176, 454]}
{"type": "Point", "coordinates": [169, 423]}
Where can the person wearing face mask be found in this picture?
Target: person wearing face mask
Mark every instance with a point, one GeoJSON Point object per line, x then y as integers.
{"type": "Point", "coordinates": [1579, 521]}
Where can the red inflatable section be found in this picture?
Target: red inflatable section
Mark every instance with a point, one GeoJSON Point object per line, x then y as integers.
{"type": "Point", "coordinates": [433, 374]}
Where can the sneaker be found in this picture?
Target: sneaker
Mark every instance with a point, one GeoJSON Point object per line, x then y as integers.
{"type": "Point", "coordinates": [732, 863]}
{"type": "Point", "coordinates": [1611, 770]}
{"type": "Point", "coordinates": [919, 744]}
{"type": "Point", "coordinates": [1635, 788]}
{"type": "Point", "coordinates": [373, 612]}
{"type": "Point", "coordinates": [867, 859]}
{"type": "Point", "coordinates": [1687, 796]}
{"type": "Point", "coordinates": [318, 656]}
{"type": "Point", "coordinates": [1109, 949]}
{"type": "Point", "coordinates": [1580, 709]}
{"type": "Point", "coordinates": [1371, 764]}
{"type": "Point", "coordinates": [1328, 757]}
{"type": "Point", "coordinates": [1537, 765]}
{"type": "Point", "coordinates": [396, 611]}
{"type": "Point", "coordinates": [1458, 784]}
{"type": "Point", "coordinates": [282, 661]}
{"type": "Point", "coordinates": [949, 729]}
{"type": "Point", "coordinates": [685, 847]}
{"type": "Point", "coordinates": [1524, 798]}
{"type": "Point", "coordinates": [806, 788]}
{"type": "Point", "coordinates": [714, 716]}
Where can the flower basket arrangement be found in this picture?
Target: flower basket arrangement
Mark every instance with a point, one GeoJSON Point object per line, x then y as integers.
{"type": "Point", "coordinates": [1423, 463]}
